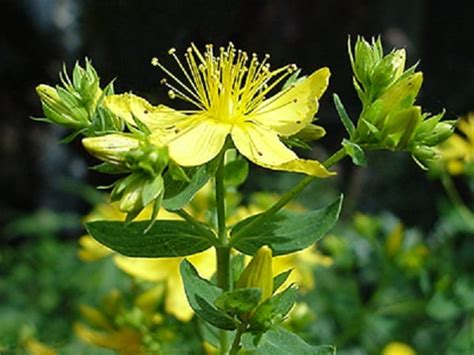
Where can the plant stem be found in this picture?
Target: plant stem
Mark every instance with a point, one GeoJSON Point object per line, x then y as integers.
{"type": "Point", "coordinates": [238, 336]}
{"type": "Point", "coordinates": [289, 195]}
{"type": "Point", "coordinates": [223, 248]}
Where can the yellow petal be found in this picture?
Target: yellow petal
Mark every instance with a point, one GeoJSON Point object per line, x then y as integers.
{"type": "Point", "coordinates": [199, 142]}
{"type": "Point", "coordinates": [289, 112]}
{"type": "Point", "coordinates": [148, 269]}
{"type": "Point", "coordinates": [261, 145]}
{"type": "Point", "coordinates": [154, 117]}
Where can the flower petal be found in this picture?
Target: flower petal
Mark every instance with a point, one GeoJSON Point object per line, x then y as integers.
{"type": "Point", "coordinates": [154, 117]}
{"type": "Point", "coordinates": [199, 141]}
{"type": "Point", "coordinates": [261, 145]}
{"type": "Point", "coordinates": [289, 112]}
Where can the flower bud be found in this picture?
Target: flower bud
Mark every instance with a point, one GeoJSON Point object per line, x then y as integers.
{"type": "Point", "coordinates": [389, 69]}
{"type": "Point", "coordinates": [401, 95]}
{"type": "Point", "coordinates": [441, 132]}
{"type": "Point", "coordinates": [259, 273]}
{"type": "Point", "coordinates": [311, 133]}
{"type": "Point", "coordinates": [364, 60]}
{"type": "Point", "coordinates": [58, 111]}
{"type": "Point", "coordinates": [111, 148]}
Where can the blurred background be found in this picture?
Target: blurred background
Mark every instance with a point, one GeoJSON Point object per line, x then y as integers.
{"type": "Point", "coordinates": [47, 187]}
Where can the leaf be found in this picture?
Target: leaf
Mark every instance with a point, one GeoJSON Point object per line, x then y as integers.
{"type": "Point", "coordinates": [345, 119]}
{"type": "Point", "coordinates": [273, 310]}
{"type": "Point", "coordinates": [280, 279]}
{"type": "Point", "coordinates": [239, 301]}
{"type": "Point", "coordinates": [355, 152]}
{"type": "Point", "coordinates": [201, 295]}
{"type": "Point", "coordinates": [280, 341]}
{"type": "Point", "coordinates": [164, 239]}
{"type": "Point", "coordinates": [286, 231]}
{"type": "Point", "coordinates": [178, 193]}
{"type": "Point", "coordinates": [236, 172]}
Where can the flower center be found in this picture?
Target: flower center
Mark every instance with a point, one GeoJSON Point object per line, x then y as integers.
{"type": "Point", "coordinates": [227, 86]}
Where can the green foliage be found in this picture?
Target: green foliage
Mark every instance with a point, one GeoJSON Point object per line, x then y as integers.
{"type": "Point", "coordinates": [391, 284]}
{"type": "Point", "coordinates": [285, 232]}
{"type": "Point", "coordinates": [202, 296]}
{"type": "Point", "coordinates": [163, 239]}
{"type": "Point", "coordinates": [280, 341]}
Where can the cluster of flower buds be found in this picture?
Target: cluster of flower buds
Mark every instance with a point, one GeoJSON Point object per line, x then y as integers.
{"type": "Point", "coordinates": [76, 103]}
{"type": "Point", "coordinates": [390, 119]}
{"type": "Point", "coordinates": [145, 162]}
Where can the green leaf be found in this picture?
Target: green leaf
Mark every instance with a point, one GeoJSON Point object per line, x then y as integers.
{"type": "Point", "coordinates": [280, 341]}
{"type": "Point", "coordinates": [202, 295]}
{"type": "Point", "coordinates": [345, 119]}
{"type": "Point", "coordinates": [239, 301]}
{"type": "Point", "coordinates": [179, 193]}
{"type": "Point", "coordinates": [355, 152]}
{"type": "Point", "coordinates": [280, 279]}
{"type": "Point", "coordinates": [236, 172]}
{"type": "Point", "coordinates": [164, 239]}
{"type": "Point", "coordinates": [286, 231]}
{"type": "Point", "coordinates": [273, 310]}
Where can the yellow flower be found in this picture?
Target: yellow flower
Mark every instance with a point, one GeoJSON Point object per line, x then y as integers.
{"type": "Point", "coordinates": [458, 151]}
{"type": "Point", "coordinates": [124, 341]}
{"type": "Point", "coordinates": [397, 348]}
{"type": "Point", "coordinates": [229, 91]}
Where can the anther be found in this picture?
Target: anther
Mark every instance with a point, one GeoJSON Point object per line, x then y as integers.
{"type": "Point", "coordinates": [171, 94]}
{"type": "Point", "coordinates": [172, 51]}
{"type": "Point", "coordinates": [163, 81]}
{"type": "Point", "coordinates": [154, 61]}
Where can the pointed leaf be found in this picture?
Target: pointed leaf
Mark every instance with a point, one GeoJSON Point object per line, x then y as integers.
{"type": "Point", "coordinates": [202, 295]}
{"type": "Point", "coordinates": [164, 239]}
{"type": "Point", "coordinates": [346, 120]}
{"type": "Point", "coordinates": [178, 193]}
{"type": "Point", "coordinates": [355, 152]}
{"type": "Point", "coordinates": [286, 232]}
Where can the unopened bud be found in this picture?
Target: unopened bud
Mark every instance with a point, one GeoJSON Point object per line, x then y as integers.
{"type": "Point", "coordinates": [259, 273]}
{"type": "Point", "coordinates": [57, 111]}
{"type": "Point", "coordinates": [112, 147]}
{"type": "Point", "coordinates": [389, 69]}
{"type": "Point", "coordinates": [311, 133]}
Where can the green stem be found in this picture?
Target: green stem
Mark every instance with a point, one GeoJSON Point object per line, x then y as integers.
{"type": "Point", "coordinates": [289, 195]}
{"type": "Point", "coordinates": [238, 336]}
{"type": "Point", "coordinates": [198, 225]}
{"type": "Point", "coordinates": [456, 199]}
{"type": "Point", "coordinates": [223, 248]}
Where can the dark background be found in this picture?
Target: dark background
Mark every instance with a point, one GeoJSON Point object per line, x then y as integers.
{"type": "Point", "coordinates": [121, 37]}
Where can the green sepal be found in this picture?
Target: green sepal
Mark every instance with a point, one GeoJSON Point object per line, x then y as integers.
{"type": "Point", "coordinates": [239, 301]}
{"type": "Point", "coordinates": [355, 152]}
{"type": "Point", "coordinates": [280, 279]}
{"type": "Point", "coordinates": [345, 119]}
{"type": "Point", "coordinates": [165, 239]}
{"type": "Point", "coordinates": [109, 168]}
{"type": "Point", "coordinates": [286, 231]}
{"type": "Point", "coordinates": [202, 295]}
{"type": "Point", "coordinates": [273, 310]}
{"type": "Point", "coordinates": [293, 79]}
{"type": "Point", "coordinates": [236, 172]}
{"type": "Point", "coordinates": [177, 172]}
{"type": "Point", "coordinates": [152, 189]}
